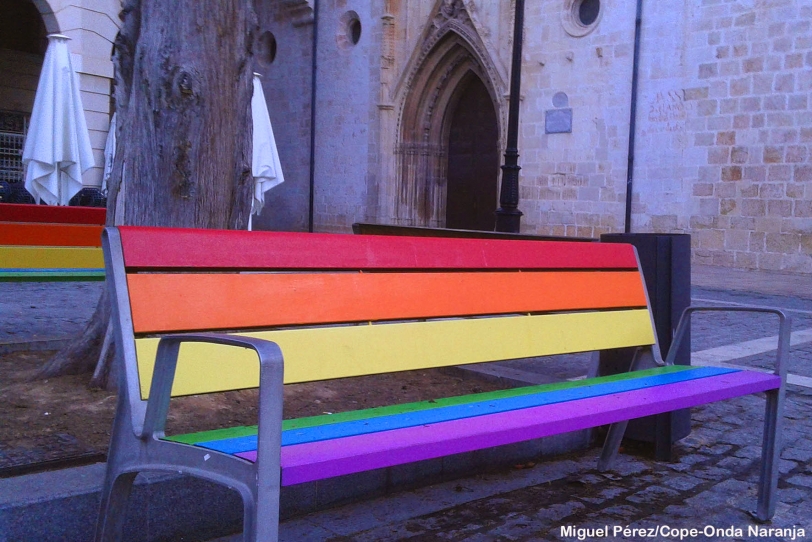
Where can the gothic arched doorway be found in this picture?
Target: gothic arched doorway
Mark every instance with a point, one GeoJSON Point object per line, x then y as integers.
{"type": "Point", "coordinates": [473, 159]}
{"type": "Point", "coordinates": [450, 100]}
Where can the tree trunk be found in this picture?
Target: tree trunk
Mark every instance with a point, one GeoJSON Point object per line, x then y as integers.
{"type": "Point", "coordinates": [183, 103]}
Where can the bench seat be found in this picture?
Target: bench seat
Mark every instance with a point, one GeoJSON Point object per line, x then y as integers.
{"type": "Point", "coordinates": [322, 447]}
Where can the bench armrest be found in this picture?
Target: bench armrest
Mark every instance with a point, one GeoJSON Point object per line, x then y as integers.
{"type": "Point", "coordinates": [270, 376]}
{"type": "Point", "coordinates": [784, 330]}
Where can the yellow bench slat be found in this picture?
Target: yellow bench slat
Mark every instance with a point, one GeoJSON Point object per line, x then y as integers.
{"type": "Point", "coordinates": [343, 351]}
{"type": "Point", "coordinates": [18, 257]}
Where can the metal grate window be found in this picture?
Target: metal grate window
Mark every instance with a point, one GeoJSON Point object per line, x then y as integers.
{"type": "Point", "coordinates": [13, 129]}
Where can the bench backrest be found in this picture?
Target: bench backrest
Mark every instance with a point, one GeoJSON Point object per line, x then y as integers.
{"type": "Point", "coordinates": [345, 305]}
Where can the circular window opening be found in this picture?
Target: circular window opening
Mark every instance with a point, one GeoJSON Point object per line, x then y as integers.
{"type": "Point", "coordinates": [349, 30]}
{"type": "Point", "coordinates": [266, 48]}
{"type": "Point", "coordinates": [588, 11]}
{"type": "Point", "coordinates": [580, 17]}
{"type": "Point", "coordinates": [355, 31]}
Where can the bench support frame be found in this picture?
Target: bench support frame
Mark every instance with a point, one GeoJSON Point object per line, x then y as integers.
{"type": "Point", "coordinates": [773, 413]}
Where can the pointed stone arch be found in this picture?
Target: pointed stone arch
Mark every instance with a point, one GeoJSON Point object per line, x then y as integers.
{"type": "Point", "coordinates": [451, 55]}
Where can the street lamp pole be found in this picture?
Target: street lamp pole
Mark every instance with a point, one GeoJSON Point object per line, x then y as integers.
{"type": "Point", "coordinates": [508, 216]}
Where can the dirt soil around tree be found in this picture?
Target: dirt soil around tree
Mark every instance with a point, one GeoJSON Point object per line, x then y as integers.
{"type": "Point", "coordinates": [48, 421]}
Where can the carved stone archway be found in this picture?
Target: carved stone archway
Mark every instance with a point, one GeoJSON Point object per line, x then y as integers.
{"type": "Point", "coordinates": [452, 53]}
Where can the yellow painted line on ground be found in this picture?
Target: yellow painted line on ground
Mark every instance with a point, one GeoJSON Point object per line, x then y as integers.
{"type": "Point", "coordinates": [342, 351]}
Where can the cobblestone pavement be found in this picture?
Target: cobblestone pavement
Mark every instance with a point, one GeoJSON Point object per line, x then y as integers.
{"type": "Point", "coordinates": [35, 311]}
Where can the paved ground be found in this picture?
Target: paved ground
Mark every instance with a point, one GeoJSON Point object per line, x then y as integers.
{"type": "Point", "coordinates": [709, 487]}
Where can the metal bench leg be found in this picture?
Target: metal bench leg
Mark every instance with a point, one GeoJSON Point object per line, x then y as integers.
{"type": "Point", "coordinates": [770, 455]}
{"type": "Point", "coordinates": [642, 358]}
{"type": "Point", "coordinates": [113, 511]}
{"type": "Point", "coordinates": [611, 445]}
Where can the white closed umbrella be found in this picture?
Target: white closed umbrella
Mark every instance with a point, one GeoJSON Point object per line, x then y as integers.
{"type": "Point", "coordinates": [265, 167]}
{"type": "Point", "coordinates": [109, 153]}
{"type": "Point", "coordinates": [57, 149]}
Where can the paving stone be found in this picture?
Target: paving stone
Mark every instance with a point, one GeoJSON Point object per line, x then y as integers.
{"type": "Point", "coordinates": [650, 494]}
{"type": "Point", "coordinates": [734, 463]}
{"type": "Point", "coordinates": [804, 480]}
{"type": "Point", "coordinates": [681, 483]}
{"type": "Point", "coordinates": [797, 454]}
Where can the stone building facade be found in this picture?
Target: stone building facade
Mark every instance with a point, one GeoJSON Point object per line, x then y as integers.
{"type": "Point", "coordinates": [721, 142]}
{"type": "Point", "coordinates": [411, 101]}
{"type": "Point", "coordinates": [92, 27]}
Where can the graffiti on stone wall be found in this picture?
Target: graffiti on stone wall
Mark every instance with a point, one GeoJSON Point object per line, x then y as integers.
{"type": "Point", "coordinates": [667, 112]}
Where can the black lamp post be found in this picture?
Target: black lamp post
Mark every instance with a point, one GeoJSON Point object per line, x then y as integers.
{"type": "Point", "coordinates": [508, 216]}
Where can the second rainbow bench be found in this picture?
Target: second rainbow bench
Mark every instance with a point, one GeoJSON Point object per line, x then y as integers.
{"type": "Point", "coordinates": [50, 243]}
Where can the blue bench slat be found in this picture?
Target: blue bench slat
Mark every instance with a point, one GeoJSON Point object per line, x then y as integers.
{"type": "Point", "coordinates": [468, 410]}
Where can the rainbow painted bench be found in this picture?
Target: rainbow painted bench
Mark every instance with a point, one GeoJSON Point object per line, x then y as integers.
{"type": "Point", "coordinates": [206, 311]}
{"type": "Point", "coordinates": [50, 243]}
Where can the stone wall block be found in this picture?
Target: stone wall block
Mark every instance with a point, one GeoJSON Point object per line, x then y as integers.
{"type": "Point", "coordinates": [695, 93]}
{"type": "Point", "coordinates": [778, 207]}
{"type": "Point", "coordinates": [802, 209]}
{"type": "Point", "coordinates": [802, 174]}
{"type": "Point", "coordinates": [756, 241]}
{"type": "Point", "coordinates": [763, 83]}
{"type": "Point", "coordinates": [795, 190]}
{"type": "Point", "coordinates": [793, 61]}
{"type": "Point", "coordinates": [756, 174]}
{"type": "Point", "coordinates": [741, 86]}
{"type": "Point", "coordinates": [749, 190]}
{"type": "Point", "coordinates": [785, 243]}
{"type": "Point", "coordinates": [739, 155]}
{"type": "Point", "coordinates": [753, 64]}
{"type": "Point", "coordinates": [753, 207]}
{"type": "Point", "coordinates": [741, 122]}
{"type": "Point", "coordinates": [732, 173]}
{"type": "Point", "coordinates": [727, 206]}
{"type": "Point", "coordinates": [773, 154]}
{"type": "Point", "coordinates": [736, 239]}
{"type": "Point", "coordinates": [779, 173]}
{"type": "Point", "coordinates": [797, 153]}
{"type": "Point", "coordinates": [746, 260]}
{"type": "Point", "coordinates": [797, 102]}
{"type": "Point", "coordinates": [770, 262]}
{"type": "Point", "coordinates": [742, 223]}
{"type": "Point", "coordinates": [723, 259]}
{"type": "Point", "coordinates": [718, 155]}
{"type": "Point", "coordinates": [726, 138]}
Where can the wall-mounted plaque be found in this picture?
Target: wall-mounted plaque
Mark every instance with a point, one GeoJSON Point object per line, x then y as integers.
{"type": "Point", "coordinates": [558, 121]}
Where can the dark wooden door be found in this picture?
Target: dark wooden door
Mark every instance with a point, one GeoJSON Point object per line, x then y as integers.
{"type": "Point", "coordinates": [473, 161]}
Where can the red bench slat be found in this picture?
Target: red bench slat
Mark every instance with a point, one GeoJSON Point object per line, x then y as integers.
{"type": "Point", "coordinates": [164, 248]}
{"type": "Point", "coordinates": [21, 212]}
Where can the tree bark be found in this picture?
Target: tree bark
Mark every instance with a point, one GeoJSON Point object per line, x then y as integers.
{"type": "Point", "coordinates": [183, 103]}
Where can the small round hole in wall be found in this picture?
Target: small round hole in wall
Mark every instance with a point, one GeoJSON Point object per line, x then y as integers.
{"type": "Point", "coordinates": [266, 48]}
{"type": "Point", "coordinates": [349, 30]}
{"type": "Point", "coordinates": [580, 17]}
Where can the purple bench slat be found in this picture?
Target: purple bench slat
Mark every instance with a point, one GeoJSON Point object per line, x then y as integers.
{"type": "Point", "coordinates": [318, 460]}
